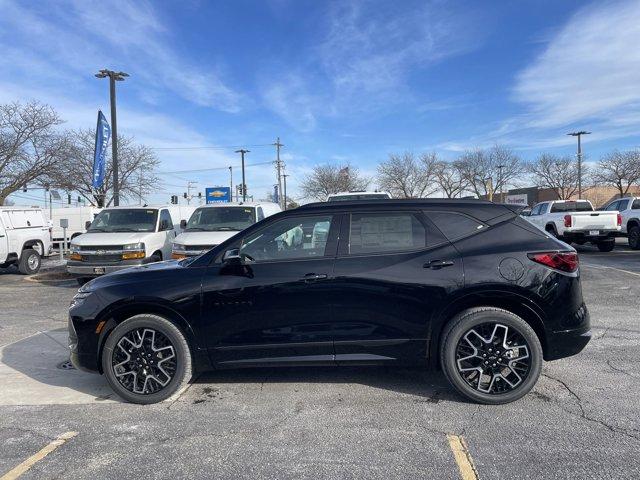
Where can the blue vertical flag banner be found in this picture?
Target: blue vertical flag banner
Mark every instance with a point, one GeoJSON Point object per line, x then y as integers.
{"type": "Point", "coordinates": [103, 132]}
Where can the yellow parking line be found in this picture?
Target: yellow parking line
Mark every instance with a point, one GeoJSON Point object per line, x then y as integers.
{"type": "Point", "coordinates": [32, 460]}
{"type": "Point", "coordinates": [463, 457]}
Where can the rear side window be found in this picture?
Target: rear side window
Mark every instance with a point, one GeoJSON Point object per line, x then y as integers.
{"type": "Point", "coordinates": [385, 232]}
{"type": "Point", "coordinates": [636, 205]}
{"type": "Point", "coordinates": [455, 225]}
{"type": "Point", "coordinates": [613, 206]}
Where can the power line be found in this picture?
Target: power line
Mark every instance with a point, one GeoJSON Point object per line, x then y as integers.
{"type": "Point", "coordinates": [217, 147]}
{"type": "Point", "coordinates": [212, 169]}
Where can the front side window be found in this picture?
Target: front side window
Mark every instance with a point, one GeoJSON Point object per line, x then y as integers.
{"type": "Point", "coordinates": [385, 232]}
{"type": "Point", "coordinates": [165, 216]}
{"type": "Point", "coordinates": [220, 219]}
{"type": "Point", "coordinates": [125, 220]}
{"type": "Point", "coordinates": [288, 239]}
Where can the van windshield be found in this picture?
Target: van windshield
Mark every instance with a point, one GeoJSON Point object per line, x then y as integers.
{"type": "Point", "coordinates": [218, 219]}
{"type": "Point", "coordinates": [125, 220]}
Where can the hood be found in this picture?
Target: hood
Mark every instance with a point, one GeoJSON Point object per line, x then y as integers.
{"type": "Point", "coordinates": [203, 238]}
{"type": "Point", "coordinates": [103, 238]}
{"type": "Point", "coordinates": [132, 273]}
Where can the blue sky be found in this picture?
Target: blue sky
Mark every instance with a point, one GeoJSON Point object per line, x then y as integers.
{"type": "Point", "coordinates": [337, 81]}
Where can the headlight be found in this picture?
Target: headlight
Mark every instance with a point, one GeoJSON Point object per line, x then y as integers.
{"type": "Point", "coordinates": [78, 299]}
{"type": "Point", "coordinates": [75, 252]}
{"type": "Point", "coordinates": [133, 251]}
{"type": "Point", "coordinates": [74, 248]}
{"type": "Point", "coordinates": [178, 247]}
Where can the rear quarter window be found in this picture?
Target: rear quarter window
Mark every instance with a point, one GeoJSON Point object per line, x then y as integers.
{"type": "Point", "coordinates": [455, 225]}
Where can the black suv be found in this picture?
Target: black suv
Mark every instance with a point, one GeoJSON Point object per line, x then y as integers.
{"type": "Point", "coordinates": [464, 285]}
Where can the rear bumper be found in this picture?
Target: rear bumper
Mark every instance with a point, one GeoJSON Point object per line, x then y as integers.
{"type": "Point", "coordinates": [580, 235]}
{"type": "Point", "coordinates": [565, 343]}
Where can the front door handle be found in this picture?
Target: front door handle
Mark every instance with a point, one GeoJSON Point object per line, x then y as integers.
{"type": "Point", "coordinates": [314, 277]}
{"type": "Point", "coordinates": [438, 264]}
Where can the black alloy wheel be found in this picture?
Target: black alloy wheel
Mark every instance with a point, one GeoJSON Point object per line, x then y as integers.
{"type": "Point", "coordinates": [490, 355]}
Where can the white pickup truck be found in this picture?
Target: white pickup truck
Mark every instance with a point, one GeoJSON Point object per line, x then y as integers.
{"type": "Point", "coordinates": [25, 237]}
{"type": "Point", "coordinates": [575, 221]}
{"type": "Point", "coordinates": [629, 208]}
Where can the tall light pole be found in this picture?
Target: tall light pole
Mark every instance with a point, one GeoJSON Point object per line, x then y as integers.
{"type": "Point", "coordinates": [230, 183]}
{"type": "Point", "coordinates": [113, 78]}
{"type": "Point", "coordinates": [279, 167]}
{"type": "Point", "coordinates": [244, 185]}
{"type": "Point", "coordinates": [579, 155]}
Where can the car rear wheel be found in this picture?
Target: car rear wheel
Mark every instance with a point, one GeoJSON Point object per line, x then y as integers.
{"type": "Point", "coordinates": [146, 359]}
{"type": "Point", "coordinates": [607, 246]}
{"type": "Point", "coordinates": [490, 355]}
{"type": "Point", "coordinates": [634, 238]}
{"type": "Point", "coordinates": [29, 262]}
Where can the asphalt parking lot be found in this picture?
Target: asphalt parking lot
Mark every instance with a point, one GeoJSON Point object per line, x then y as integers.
{"type": "Point", "coordinates": [580, 421]}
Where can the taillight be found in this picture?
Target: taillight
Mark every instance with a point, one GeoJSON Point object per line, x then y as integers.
{"type": "Point", "coordinates": [563, 261]}
{"type": "Point", "coordinates": [567, 220]}
{"type": "Point", "coordinates": [619, 220]}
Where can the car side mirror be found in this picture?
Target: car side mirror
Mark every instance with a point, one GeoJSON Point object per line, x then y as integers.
{"type": "Point", "coordinates": [183, 224]}
{"type": "Point", "coordinates": [232, 257]}
{"type": "Point", "coordinates": [164, 225]}
{"type": "Point", "coordinates": [87, 224]}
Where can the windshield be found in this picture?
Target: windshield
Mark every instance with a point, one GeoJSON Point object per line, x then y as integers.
{"type": "Point", "coordinates": [367, 196]}
{"type": "Point", "coordinates": [125, 220]}
{"type": "Point", "coordinates": [218, 219]}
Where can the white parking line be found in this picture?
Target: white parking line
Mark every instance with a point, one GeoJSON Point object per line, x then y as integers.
{"type": "Point", "coordinates": [463, 457]}
{"type": "Point", "coordinates": [33, 459]}
{"type": "Point", "coordinates": [602, 267]}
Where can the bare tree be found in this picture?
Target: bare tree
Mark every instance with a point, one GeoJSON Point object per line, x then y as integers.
{"type": "Point", "coordinates": [328, 179]}
{"type": "Point", "coordinates": [137, 164]}
{"type": "Point", "coordinates": [489, 171]}
{"type": "Point", "coordinates": [450, 180]}
{"type": "Point", "coordinates": [404, 176]}
{"type": "Point", "coordinates": [557, 173]}
{"type": "Point", "coordinates": [30, 145]}
{"type": "Point", "coordinates": [620, 170]}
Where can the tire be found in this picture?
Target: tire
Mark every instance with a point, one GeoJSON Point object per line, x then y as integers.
{"type": "Point", "coordinates": [156, 257]}
{"type": "Point", "coordinates": [498, 391]}
{"type": "Point", "coordinates": [167, 340]}
{"type": "Point", "coordinates": [606, 246]}
{"type": "Point", "coordinates": [30, 262]}
{"type": "Point", "coordinates": [634, 238]}
{"type": "Point", "coordinates": [551, 230]}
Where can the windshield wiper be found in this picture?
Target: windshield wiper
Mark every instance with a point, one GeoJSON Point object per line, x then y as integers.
{"type": "Point", "coordinates": [224, 229]}
{"type": "Point", "coordinates": [194, 229]}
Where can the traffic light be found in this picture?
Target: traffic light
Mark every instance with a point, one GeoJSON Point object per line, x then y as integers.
{"type": "Point", "coordinates": [24, 188]}
{"type": "Point", "coordinates": [184, 195]}
{"type": "Point", "coordinates": [199, 194]}
{"type": "Point", "coordinates": [68, 199]}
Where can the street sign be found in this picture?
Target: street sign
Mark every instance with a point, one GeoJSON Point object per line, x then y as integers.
{"type": "Point", "coordinates": [218, 194]}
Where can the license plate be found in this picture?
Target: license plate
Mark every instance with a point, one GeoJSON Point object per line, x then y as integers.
{"type": "Point", "coordinates": [594, 232]}
{"type": "Point", "coordinates": [98, 270]}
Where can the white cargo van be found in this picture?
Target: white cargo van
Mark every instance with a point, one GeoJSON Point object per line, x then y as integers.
{"type": "Point", "coordinates": [25, 238]}
{"type": "Point", "coordinates": [77, 217]}
{"type": "Point", "coordinates": [212, 224]}
{"type": "Point", "coordinates": [121, 237]}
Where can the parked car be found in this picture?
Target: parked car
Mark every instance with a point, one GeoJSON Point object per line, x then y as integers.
{"type": "Point", "coordinates": [212, 224]}
{"type": "Point", "coordinates": [121, 237]}
{"type": "Point", "coordinates": [358, 195]}
{"type": "Point", "coordinates": [629, 208]}
{"type": "Point", "coordinates": [575, 221]}
{"type": "Point", "coordinates": [25, 238]}
{"type": "Point", "coordinates": [467, 285]}
{"type": "Point", "coordinates": [77, 218]}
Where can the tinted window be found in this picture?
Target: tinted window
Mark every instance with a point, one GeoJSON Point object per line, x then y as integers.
{"type": "Point", "coordinates": [571, 207]}
{"type": "Point", "coordinates": [455, 225]}
{"type": "Point", "coordinates": [164, 215]}
{"type": "Point", "coordinates": [636, 205]}
{"type": "Point", "coordinates": [385, 232]}
{"type": "Point", "coordinates": [290, 238]}
{"type": "Point", "coordinates": [260, 214]}
{"type": "Point", "coordinates": [612, 206]}
{"type": "Point", "coordinates": [623, 205]}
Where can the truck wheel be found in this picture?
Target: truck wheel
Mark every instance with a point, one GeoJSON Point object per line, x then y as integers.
{"type": "Point", "coordinates": [606, 246]}
{"type": "Point", "coordinates": [634, 238]}
{"type": "Point", "coordinates": [29, 262]}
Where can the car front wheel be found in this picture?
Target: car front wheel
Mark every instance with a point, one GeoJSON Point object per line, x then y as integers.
{"type": "Point", "coordinates": [146, 359]}
{"type": "Point", "coordinates": [490, 355]}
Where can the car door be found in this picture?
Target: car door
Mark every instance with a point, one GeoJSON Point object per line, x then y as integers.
{"type": "Point", "coordinates": [275, 306]}
{"type": "Point", "coordinates": [393, 270]}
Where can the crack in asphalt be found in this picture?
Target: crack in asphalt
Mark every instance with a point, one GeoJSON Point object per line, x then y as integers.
{"type": "Point", "coordinates": [621, 370]}
{"type": "Point", "coordinates": [583, 413]}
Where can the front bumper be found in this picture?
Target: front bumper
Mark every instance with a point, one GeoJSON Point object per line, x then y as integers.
{"type": "Point", "coordinates": [88, 270]}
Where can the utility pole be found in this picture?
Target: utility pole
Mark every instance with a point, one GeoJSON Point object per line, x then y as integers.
{"type": "Point", "coordinates": [279, 170]}
{"type": "Point", "coordinates": [113, 78]}
{"type": "Point", "coordinates": [579, 155]}
{"type": "Point", "coordinates": [230, 184]}
{"type": "Point", "coordinates": [244, 185]}
{"type": "Point", "coordinates": [500, 167]}
{"type": "Point", "coordinates": [284, 177]}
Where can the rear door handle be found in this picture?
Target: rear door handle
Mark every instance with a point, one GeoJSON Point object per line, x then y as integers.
{"type": "Point", "coordinates": [438, 264]}
{"type": "Point", "coordinates": [314, 277]}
